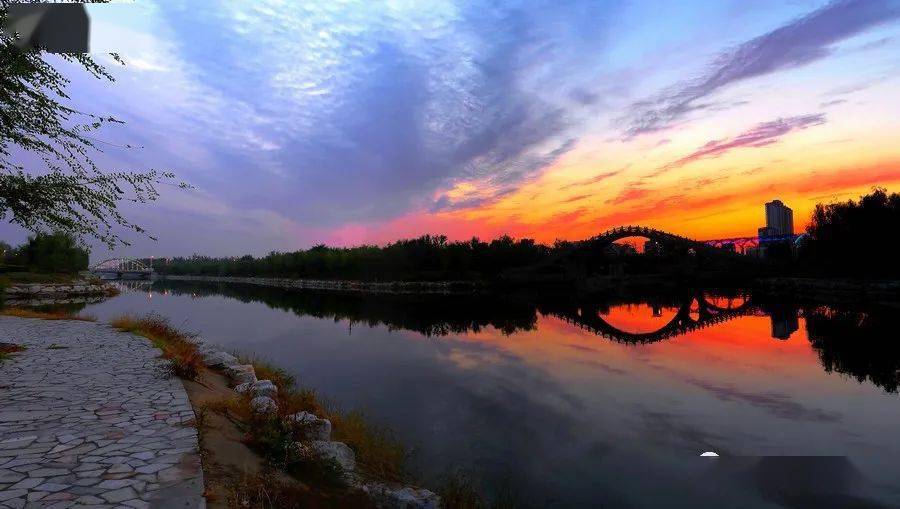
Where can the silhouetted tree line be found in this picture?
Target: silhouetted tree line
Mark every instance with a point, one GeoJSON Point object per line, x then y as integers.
{"type": "Point", "coordinates": [853, 238]}
{"type": "Point", "coordinates": [430, 258]}
{"type": "Point", "coordinates": [57, 252]}
{"type": "Point", "coordinates": [844, 239]}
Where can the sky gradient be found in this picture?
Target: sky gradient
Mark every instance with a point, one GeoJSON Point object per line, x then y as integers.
{"type": "Point", "coordinates": [363, 122]}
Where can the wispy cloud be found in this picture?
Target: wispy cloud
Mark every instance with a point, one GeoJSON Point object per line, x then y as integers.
{"type": "Point", "coordinates": [798, 43]}
{"type": "Point", "coordinates": [600, 177]}
{"type": "Point", "coordinates": [630, 193]}
{"type": "Point", "coordinates": [761, 135]}
{"type": "Point", "coordinates": [833, 102]}
{"type": "Point", "coordinates": [579, 197]}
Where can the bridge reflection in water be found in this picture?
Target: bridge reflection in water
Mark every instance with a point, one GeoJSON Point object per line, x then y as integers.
{"type": "Point", "coordinates": [696, 311]}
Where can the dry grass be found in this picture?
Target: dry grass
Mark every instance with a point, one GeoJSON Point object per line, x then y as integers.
{"type": "Point", "coordinates": [46, 315]}
{"type": "Point", "coordinates": [269, 490]}
{"type": "Point", "coordinates": [379, 454]}
{"type": "Point", "coordinates": [265, 371]}
{"type": "Point", "coordinates": [7, 349]}
{"type": "Point", "coordinates": [459, 492]}
{"type": "Point", "coordinates": [177, 346]}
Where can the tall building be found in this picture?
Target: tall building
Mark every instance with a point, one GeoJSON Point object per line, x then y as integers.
{"type": "Point", "coordinates": [779, 218]}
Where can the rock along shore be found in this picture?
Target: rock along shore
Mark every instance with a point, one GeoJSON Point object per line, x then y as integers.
{"type": "Point", "coordinates": [442, 287]}
{"type": "Point", "coordinates": [319, 442]}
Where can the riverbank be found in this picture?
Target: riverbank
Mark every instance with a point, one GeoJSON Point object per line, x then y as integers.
{"type": "Point", "coordinates": [292, 442]}
{"type": "Point", "coordinates": [93, 415]}
{"type": "Point", "coordinates": [838, 290]}
{"type": "Point", "coordinates": [830, 290]}
{"type": "Point", "coordinates": [74, 289]}
{"type": "Point", "coordinates": [439, 287]}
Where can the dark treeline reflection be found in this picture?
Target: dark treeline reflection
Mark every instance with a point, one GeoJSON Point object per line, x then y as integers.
{"type": "Point", "coordinates": [427, 314]}
{"type": "Point", "coordinates": [853, 342]}
{"type": "Point", "coordinates": [859, 344]}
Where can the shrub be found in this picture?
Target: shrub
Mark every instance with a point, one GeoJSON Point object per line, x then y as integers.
{"type": "Point", "coordinates": [57, 252]}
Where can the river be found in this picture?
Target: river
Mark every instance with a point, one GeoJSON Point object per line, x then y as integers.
{"type": "Point", "coordinates": [557, 402]}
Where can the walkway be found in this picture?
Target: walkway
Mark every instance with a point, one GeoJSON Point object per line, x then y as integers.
{"type": "Point", "coordinates": [88, 417]}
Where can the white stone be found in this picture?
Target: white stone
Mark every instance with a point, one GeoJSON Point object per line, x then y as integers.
{"type": "Point", "coordinates": [216, 359]}
{"type": "Point", "coordinates": [244, 387]}
{"type": "Point", "coordinates": [263, 405]}
{"type": "Point", "coordinates": [264, 388]}
{"type": "Point", "coordinates": [241, 373]}
{"type": "Point", "coordinates": [314, 428]}
{"type": "Point", "coordinates": [401, 497]}
{"type": "Point", "coordinates": [338, 451]}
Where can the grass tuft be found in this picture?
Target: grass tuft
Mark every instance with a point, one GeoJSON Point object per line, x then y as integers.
{"type": "Point", "coordinates": [46, 315]}
{"type": "Point", "coordinates": [380, 455]}
{"type": "Point", "coordinates": [8, 349]}
{"type": "Point", "coordinates": [458, 492]}
{"type": "Point", "coordinates": [265, 371]}
{"type": "Point", "coordinates": [269, 489]}
{"type": "Point", "coordinates": [177, 346]}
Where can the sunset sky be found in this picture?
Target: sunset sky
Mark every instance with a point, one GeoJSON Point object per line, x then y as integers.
{"type": "Point", "coordinates": [363, 122]}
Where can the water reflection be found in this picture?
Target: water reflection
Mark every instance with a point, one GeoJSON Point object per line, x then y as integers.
{"type": "Point", "coordinates": [852, 342]}
{"type": "Point", "coordinates": [576, 402]}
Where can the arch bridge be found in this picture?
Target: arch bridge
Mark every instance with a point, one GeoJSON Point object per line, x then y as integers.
{"type": "Point", "coordinates": [122, 268]}
{"type": "Point", "coordinates": [662, 237]}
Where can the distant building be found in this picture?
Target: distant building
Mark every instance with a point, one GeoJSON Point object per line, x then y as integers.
{"type": "Point", "coordinates": [779, 218]}
{"type": "Point", "coordinates": [784, 323]}
{"type": "Point", "coordinates": [766, 232]}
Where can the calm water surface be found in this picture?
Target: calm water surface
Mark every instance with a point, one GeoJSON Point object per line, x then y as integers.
{"type": "Point", "coordinates": [607, 403]}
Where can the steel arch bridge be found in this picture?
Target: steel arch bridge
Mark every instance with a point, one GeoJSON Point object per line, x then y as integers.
{"type": "Point", "coordinates": [122, 268]}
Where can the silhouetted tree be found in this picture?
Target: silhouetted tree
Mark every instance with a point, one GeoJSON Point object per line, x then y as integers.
{"type": "Point", "coordinates": [57, 252]}
{"type": "Point", "coordinates": [69, 193]}
{"type": "Point", "coordinates": [854, 237]}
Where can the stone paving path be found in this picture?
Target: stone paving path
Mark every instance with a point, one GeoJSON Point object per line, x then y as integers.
{"type": "Point", "coordinates": [90, 418]}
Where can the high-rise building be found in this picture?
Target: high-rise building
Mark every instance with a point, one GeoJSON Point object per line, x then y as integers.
{"type": "Point", "coordinates": [779, 218]}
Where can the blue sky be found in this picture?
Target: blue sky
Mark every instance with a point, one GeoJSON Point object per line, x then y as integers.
{"type": "Point", "coordinates": [359, 121]}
